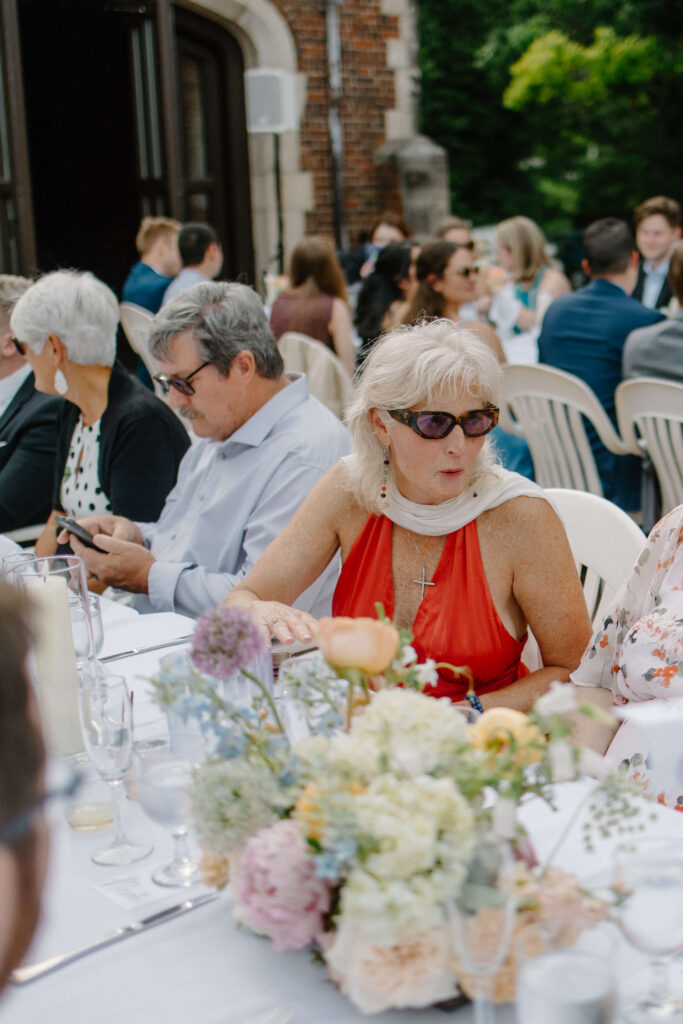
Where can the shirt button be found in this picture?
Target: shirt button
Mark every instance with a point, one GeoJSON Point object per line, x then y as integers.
{"type": "Point", "coordinates": [201, 497]}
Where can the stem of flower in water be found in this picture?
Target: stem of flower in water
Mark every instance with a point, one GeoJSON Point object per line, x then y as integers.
{"type": "Point", "coordinates": [269, 700]}
{"type": "Point", "coordinates": [116, 792]}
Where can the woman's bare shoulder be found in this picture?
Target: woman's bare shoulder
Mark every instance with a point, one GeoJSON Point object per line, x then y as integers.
{"type": "Point", "coordinates": [522, 518]}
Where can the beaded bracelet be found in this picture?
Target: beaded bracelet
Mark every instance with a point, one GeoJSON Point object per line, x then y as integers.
{"type": "Point", "coordinates": [474, 701]}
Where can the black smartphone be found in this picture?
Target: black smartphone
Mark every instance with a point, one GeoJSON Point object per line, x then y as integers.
{"type": "Point", "coordinates": [78, 531]}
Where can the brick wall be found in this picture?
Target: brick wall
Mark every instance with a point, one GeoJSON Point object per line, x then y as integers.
{"type": "Point", "coordinates": [367, 93]}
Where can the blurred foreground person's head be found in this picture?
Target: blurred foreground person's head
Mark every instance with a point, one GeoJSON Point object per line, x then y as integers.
{"type": "Point", "coordinates": [23, 836]}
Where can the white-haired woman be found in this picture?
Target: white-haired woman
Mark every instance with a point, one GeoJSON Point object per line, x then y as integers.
{"type": "Point", "coordinates": [461, 551]}
{"type": "Point", "coordinates": [118, 445]}
{"type": "Point", "coordinates": [532, 284]}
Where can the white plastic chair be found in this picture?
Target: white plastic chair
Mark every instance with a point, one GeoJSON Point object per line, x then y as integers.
{"type": "Point", "coordinates": [327, 379]}
{"type": "Point", "coordinates": [605, 542]}
{"type": "Point", "coordinates": [650, 416]}
{"type": "Point", "coordinates": [136, 323]}
{"type": "Point", "coordinates": [545, 406]}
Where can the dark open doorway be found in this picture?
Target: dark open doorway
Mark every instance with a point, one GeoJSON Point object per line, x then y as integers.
{"type": "Point", "coordinates": [80, 115]}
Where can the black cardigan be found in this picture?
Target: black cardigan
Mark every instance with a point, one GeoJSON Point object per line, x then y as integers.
{"type": "Point", "coordinates": [141, 444]}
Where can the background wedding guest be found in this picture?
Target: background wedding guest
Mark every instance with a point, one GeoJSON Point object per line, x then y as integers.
{"type": "Point", "coordinates": [636, 653]}
{"type": "Point", "coordinates": [316, 303]}
{"type": "Point", "coordinates": [583, 333]}
{"type": "Point", "coordinates": [358, 262]}
{"type": "Point", "coordinates": [453, 229]}
{"type": "Point", "coordinates": [460, 551]}
{"type": "Point", "coordinates": [532, 283]}
{"type": "Point", "coordinates": [657, 351]}
{"type": "Point", "coordinates": [157, 244]}
{"type": "Point", "coordinates": [385, 294]}
{"type": "Point", "coordinates": [23, 836]}
{"type": "Point", "coordinates": [657, 223]}
{"type": "Point", "coordinates": [446, 280]}
{"type": "Point", "coordinates": [118, 445]}
{"type": "Point", "coordinates": [201, 254]}
{"type": "Point", "coordinates": [264, 444]}
{"type": "Point", "coordinates": [28, 427]}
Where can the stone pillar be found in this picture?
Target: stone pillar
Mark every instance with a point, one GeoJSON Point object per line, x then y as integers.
{"type": "Point", "coordinates": [422, 169]}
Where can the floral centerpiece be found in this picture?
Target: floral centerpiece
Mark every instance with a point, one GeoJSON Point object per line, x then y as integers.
{"type": "Point", "coordinates": [357, 837]}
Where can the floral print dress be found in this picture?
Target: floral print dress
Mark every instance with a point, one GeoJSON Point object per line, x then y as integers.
{"type": "Point", "coordinates": [637, 652]}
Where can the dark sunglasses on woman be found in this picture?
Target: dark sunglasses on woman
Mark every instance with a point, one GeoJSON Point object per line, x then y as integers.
{"type": "Point", "coordinates": [435, 425]}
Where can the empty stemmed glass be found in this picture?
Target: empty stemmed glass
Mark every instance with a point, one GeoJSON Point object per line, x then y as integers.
{"type": "Point", "coordinates": [106, 719]}
{"type": "Point", "coordinates": [648, 879]}
{"type": "Point", "coordinates": [482, 917]}
{"type": "Point", "coordinates": [163, 774]}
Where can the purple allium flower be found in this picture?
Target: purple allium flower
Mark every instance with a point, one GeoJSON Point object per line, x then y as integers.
{"type": "Point", "coordinates": [224, 641]}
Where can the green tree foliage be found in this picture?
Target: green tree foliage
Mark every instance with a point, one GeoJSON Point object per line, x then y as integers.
{"type": "Point", "coordinates": [560, 109]}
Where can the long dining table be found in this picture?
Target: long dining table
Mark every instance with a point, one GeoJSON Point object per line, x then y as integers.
{"type": "Point", "coordinates": [202, 967]}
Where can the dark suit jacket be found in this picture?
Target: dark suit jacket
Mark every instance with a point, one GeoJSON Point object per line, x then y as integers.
{"type": "Point", "coordinates": [584, 333]}
{"type": "Point", "coordinates": [665, 295]}
{"type": "Point", "coordinates": [28, 442]}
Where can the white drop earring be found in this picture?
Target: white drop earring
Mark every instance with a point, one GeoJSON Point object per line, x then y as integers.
{"type": "Point", "coordinates": [61, 383]}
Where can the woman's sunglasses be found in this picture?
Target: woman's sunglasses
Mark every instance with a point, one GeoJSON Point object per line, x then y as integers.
{"type": "Point", "coordinates": [467, 271]}
{"type": "Point", "coordinates": [19, 346]}
{"type": "Point", "coordinates": [435, 425]}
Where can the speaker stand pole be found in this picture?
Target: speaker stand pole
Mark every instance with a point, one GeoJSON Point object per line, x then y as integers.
{"type": "Point", "coordinates": [278, 205]}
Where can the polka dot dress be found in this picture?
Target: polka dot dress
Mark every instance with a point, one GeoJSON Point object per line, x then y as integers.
{"type": "Point", "coordinates": [81, 492]}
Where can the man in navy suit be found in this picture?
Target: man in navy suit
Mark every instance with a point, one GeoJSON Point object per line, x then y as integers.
{"type": "Point", "coordinates": [658, 227]}
{"type": "Point", "coordinates": [28, 427]}
{"type": "Point", "coordinates": [584, 333]}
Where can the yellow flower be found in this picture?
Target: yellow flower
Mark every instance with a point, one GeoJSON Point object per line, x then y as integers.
{"type": "Point", "coordinates": [309, 811]}
{"type": "Point", "coordinates": [364, 644]}
{"type": "Point", "coordinates": [497, 728]}
{"type": "Point", "coordinates": [215, 869]}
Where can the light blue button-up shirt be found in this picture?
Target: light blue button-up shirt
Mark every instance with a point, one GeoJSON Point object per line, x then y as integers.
{"type": "Point", "coordinates": [654, 282]}
{"type": "Point", "coordinates": [233, 497]}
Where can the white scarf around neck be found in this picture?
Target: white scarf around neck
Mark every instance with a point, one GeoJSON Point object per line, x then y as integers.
{"type": "Point", "coordinates": [488, 490]}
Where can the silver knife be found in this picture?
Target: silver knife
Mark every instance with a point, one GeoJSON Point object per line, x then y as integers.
{"type": "Point", "coordinates": [144, 650]}
{"type": "Point", "coordinates": [22, 975]}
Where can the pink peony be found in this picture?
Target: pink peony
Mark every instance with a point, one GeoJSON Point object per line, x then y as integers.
{"type": "Point", "coordinates": [278, 889]}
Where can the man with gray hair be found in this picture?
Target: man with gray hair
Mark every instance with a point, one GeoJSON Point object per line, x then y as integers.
{"type": "Point", "coordinates": [264, 444]}
{"type": "Point", "coordinates": [28, 427]}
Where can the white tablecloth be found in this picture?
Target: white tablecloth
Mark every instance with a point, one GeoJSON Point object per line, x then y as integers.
{"type": "Point", "coordinates": [201, 968]}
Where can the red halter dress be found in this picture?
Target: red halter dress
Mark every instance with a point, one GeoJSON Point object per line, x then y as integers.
{"type": "Point", "coordinates": [456, 622]}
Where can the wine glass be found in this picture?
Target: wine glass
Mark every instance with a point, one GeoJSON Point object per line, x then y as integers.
{"type": "Point", "coordinates": [648, 876]}
{"type": "Point", "coordinates": [482, 917]}
{"type": "Point", "coordinates": [163, 774]}
{"type": "Point", "coordinates": [106, 718]}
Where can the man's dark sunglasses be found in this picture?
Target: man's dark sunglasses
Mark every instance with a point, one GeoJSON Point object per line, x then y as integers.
{"type": "Point", "coordinates": [20, 824]}
{"type": "Point", "coordinates": [435, 425]}
{"type": "Point", "coordinates": [181, 384]}
{"type": "Point", "coordinates": [19, 346]}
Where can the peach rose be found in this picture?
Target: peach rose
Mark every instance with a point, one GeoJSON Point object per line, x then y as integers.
{"type": "Point", "coordinates": [415, 971]}
{"type": "Point", "coordinates": [494, 730]}
{"type": "Point", "coordinates": [364, 644]}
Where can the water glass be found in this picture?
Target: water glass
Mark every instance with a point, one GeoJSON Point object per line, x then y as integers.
{"type": "Point", "coordinates": [482, 918]}
{"type": "Point", "coordinates": [11, 562]}
{"type": "Point", "coordinates": [106, 717]}
{"type": "Point", "coordinates": [574, 985]}
{"type": "Point", "coordinates": [163, 774]}
{"type": "Point", "coordinates": [648, 875]}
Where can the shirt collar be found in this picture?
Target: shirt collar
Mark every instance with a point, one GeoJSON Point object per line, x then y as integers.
{"type": "Point", "coordinates": [660, 271]}
{"type": "Point", "coordinates": [258, 426]}
{"type": "Point", "coordinates": [10, 385]}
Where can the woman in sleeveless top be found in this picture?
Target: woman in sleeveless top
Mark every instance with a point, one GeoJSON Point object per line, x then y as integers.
{"type": "Point", "coordinates": [316, 304]}
{"type": "Point", "coordinates": [466, 554]}
{"type": "Point", "coordinates": [517, 309]}
{"type": "Point", "coordinates": [446, 280]}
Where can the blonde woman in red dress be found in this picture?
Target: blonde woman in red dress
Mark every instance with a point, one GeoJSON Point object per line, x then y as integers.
{"type": "Point", "coordinates": [466, 554]}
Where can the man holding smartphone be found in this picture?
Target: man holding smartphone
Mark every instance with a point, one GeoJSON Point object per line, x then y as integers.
{"type": "Point", "coordinates": [264, 443]}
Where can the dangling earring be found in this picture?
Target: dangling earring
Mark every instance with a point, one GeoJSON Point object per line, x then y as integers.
{"type": "Point", "coordinates": [385, 471]}
{"type": "Point", "coordinates": [61, 383]}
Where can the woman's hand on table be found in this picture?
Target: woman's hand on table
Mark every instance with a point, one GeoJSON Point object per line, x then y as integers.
{"type": "Point", "coordinates": [275, 620]}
